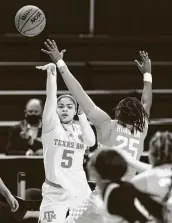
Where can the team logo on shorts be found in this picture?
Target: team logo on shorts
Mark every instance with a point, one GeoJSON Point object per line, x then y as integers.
{"type": "Point", "coordinates": [49, 216]}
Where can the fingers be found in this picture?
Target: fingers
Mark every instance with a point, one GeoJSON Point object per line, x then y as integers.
{"type": "Point", "coordinates": [45, 67]}
{"type": "Point", "coordinates": [45, 51]}
{"type": "Point", "coordinates": [51, 44]}
{"type": "Point", "coordinates": [137, 63]}
{"type": "Point", "coordinates": [54, 43]}
{"type": "Point", "coordinates": [144, 56]}
{"type": "Point", "coordinates": [41, 67]}
{"type": "Point", "coordinates": [47, 46]}
{"type": "Point", "coordinates": [62, 52]}
{"type": "Point", "coordinates": [15, 205]}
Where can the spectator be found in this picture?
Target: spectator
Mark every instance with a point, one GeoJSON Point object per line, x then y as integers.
{"type": "Point", "coordinates": [25, 137]}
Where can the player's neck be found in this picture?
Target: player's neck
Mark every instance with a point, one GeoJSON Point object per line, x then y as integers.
{"type": "Point", "coordinates": [128, 126]}
{"type": "Point", "coordinates": [68, 123]}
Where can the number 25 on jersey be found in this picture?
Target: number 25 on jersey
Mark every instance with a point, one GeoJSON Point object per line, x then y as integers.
{"type": "Point", "coordinates": [130, 144]}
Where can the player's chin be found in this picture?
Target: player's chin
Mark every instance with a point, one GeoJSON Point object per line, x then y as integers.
{"type": "Point", "coordinates": [66, 120]}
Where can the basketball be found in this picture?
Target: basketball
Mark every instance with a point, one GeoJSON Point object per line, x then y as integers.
{"type": "Point", "coordinates": [30, 20]}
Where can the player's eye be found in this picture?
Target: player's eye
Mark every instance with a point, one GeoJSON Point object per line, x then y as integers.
{"type": "Point", "coordinates": [70, 107]}
{"type": "Point", "coordinates": [60, 106]}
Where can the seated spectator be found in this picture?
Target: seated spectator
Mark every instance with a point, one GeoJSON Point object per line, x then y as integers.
{"type": "Point", "coordinates": [25, 137]}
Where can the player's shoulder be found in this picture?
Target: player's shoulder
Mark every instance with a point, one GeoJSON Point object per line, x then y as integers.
{"type": "Point", "coordinates": [114, 123]}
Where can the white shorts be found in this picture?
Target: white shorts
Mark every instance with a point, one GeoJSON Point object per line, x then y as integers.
{"type": "Point", "coordinates": [52, 214]}
{"type": "Point", "coordinates": [56, 202]}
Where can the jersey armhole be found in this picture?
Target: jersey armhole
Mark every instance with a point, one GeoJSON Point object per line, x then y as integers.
{"type": "Point", "coordinates": [46, 128]}
{"type": "Point", "coordinates": [107, 194]}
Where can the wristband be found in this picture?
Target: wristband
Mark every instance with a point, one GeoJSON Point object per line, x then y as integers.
{"type": "Point", "coordinates": [147, 77]}
{"type": "Point", "coordinates": [60, 63]}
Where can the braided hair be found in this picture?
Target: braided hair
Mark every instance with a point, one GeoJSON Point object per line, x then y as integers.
{"type": "Point", "coordinates": [131, 111]}
{"type": "Point", "coordinates": [160, 148]}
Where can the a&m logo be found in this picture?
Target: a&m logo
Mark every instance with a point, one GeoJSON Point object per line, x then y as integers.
{"type": "Point", "coordinates": [49, 216]}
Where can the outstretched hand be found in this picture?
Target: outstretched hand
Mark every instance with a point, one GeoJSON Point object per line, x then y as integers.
{"type": "Point", "coordinates": [52, 50]}
{"type": "Point", "coordinates": [145, 66]}
{"type": "Point", "coordinates": [51, 67]}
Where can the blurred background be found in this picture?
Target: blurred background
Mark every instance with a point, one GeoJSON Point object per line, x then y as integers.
{"type": "Point", "coordinates": [102, 39]}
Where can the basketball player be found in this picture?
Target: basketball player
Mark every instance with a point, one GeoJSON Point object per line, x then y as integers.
{"type": "Point", "coordinates": [64, 145]}
{"type": "Point", "coordinates": [153, 188]}
{"type": "Point", "coordinates": [130, 126]}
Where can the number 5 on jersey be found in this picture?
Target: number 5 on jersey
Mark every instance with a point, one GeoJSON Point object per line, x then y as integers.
{"type": "Point", "coordinates": [67, 158]}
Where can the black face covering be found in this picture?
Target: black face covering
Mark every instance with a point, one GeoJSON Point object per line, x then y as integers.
{"type": "Point", "coordinates": [33, 119]}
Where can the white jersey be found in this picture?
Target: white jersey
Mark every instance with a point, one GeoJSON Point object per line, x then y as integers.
{"type": "Point", "coordinates": [63, 146]}
{"type": "Point", "coordinates": [63, 151]}
{"type": "Point", "coordinates": [158, 182]}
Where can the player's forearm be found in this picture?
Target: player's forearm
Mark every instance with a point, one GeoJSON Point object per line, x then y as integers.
{"type": "Point", "coordinates": [51, 86]}
{"type": "Point", "coordinates": [132, 162]}
{"type": "Point", "coordinates": [87, 131]}
{"type": "Point", "coordinates": [76, 90]}
{"type": "Point", "coordinates": [3, 189]}
{"type": "Point", "coordinates": [51, 99]}
{"type": "Point", "coordinates": [138, 165]}
{"type": "Point", "coordinates": [147, 93]}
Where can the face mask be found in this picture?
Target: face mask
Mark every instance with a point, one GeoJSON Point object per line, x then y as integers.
{"type": "Point", "coordinates": [33, 119]}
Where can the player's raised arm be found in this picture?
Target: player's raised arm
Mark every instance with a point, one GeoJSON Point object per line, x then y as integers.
{"type": "Point", "coordinates": [50, 116]}
{"type": "Point", "coordinates": [94, 113]}
{"type": "Point", "coordinates": [132, 162]}
{"type": "Point", "coordinates": [87, 131]}
{"type": "Point", "coordinates": [145, 68]}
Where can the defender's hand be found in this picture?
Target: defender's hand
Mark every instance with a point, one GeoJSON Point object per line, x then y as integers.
{"type": "Point", "coordinates": [145, 66]}
{"type": "Point", "coordinates": [53, 51]}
